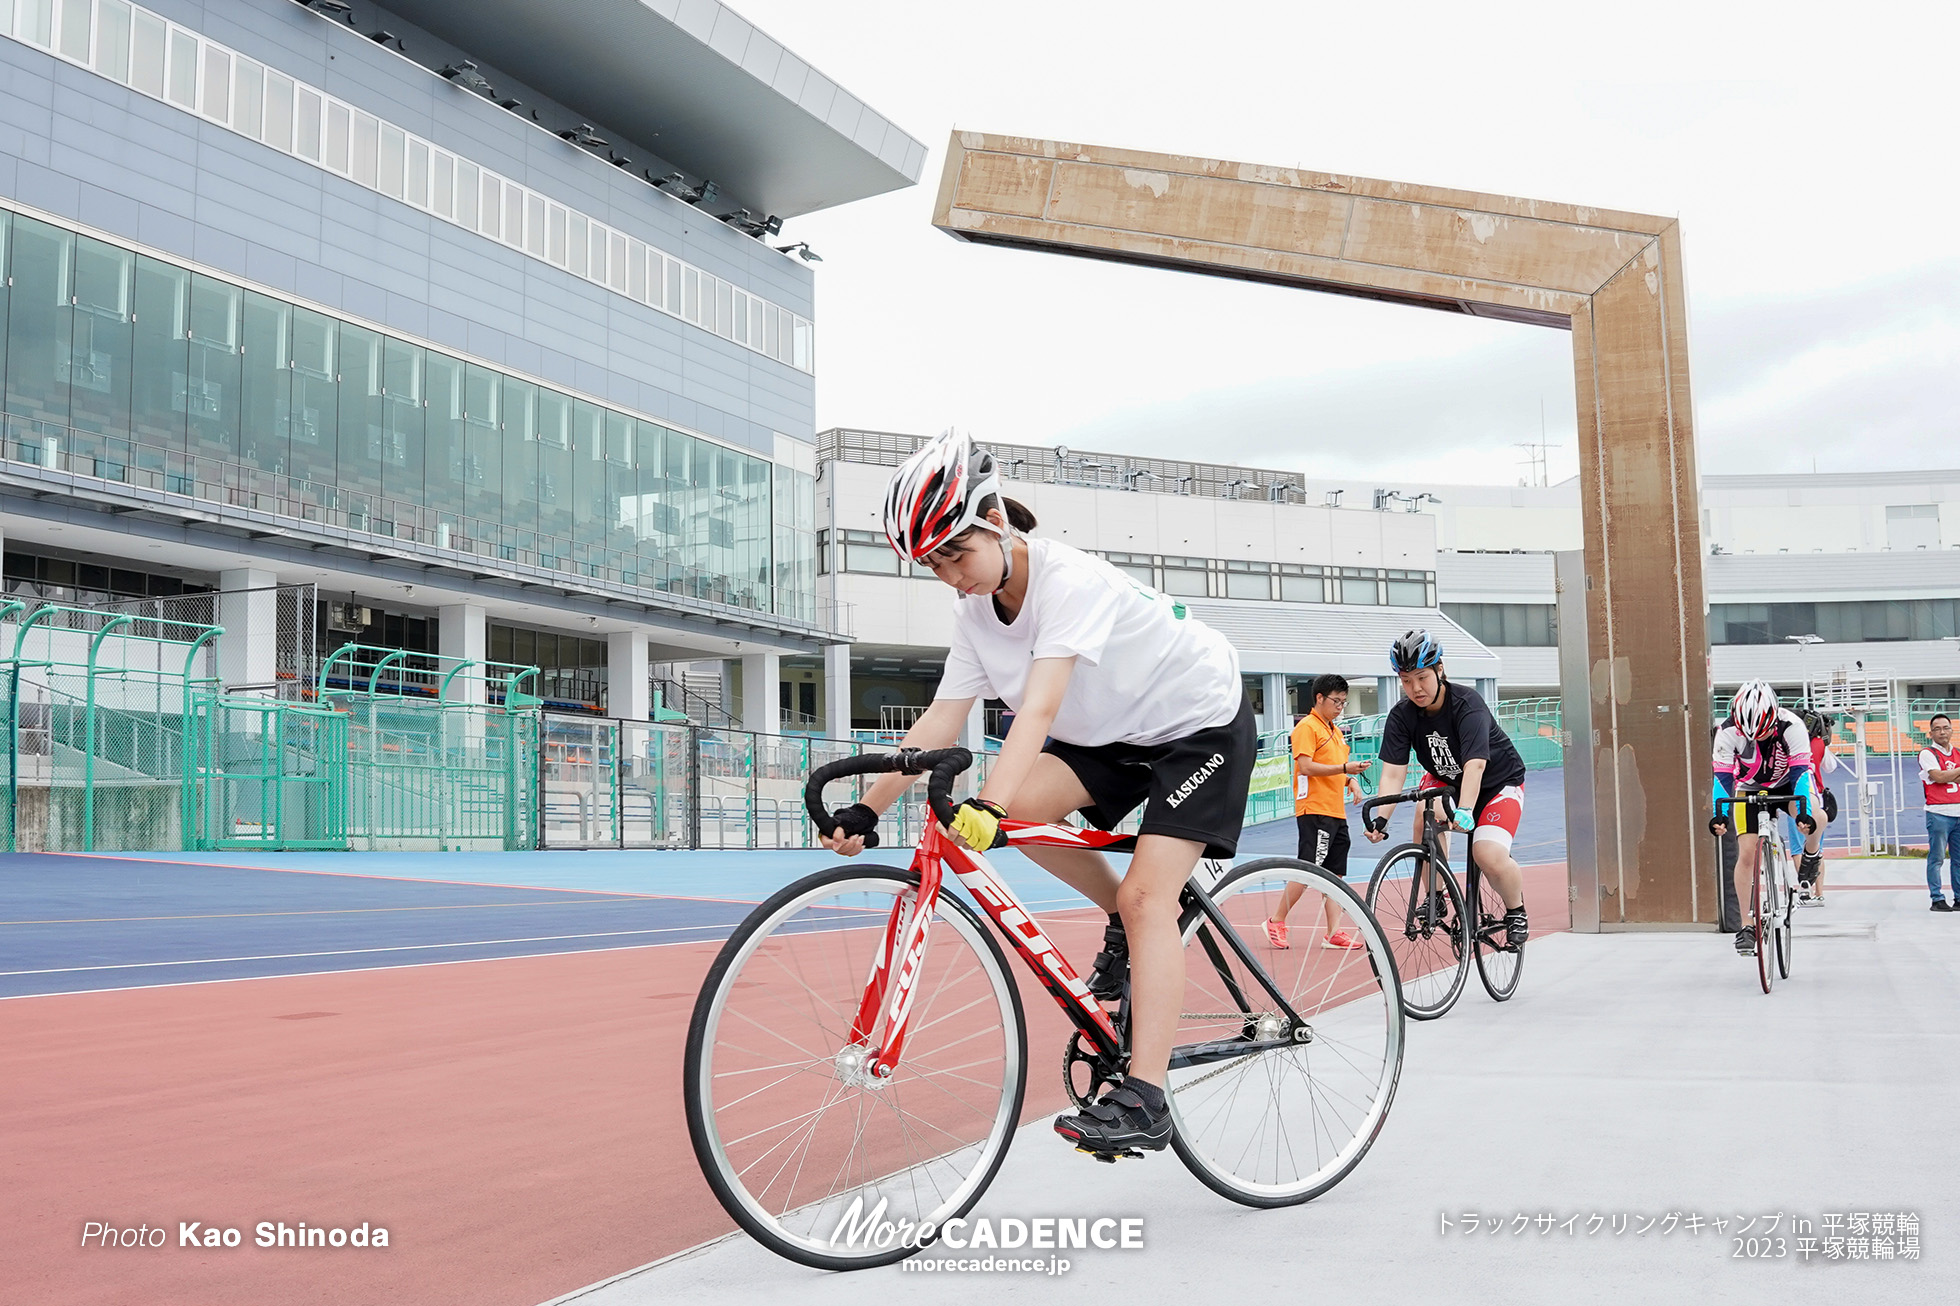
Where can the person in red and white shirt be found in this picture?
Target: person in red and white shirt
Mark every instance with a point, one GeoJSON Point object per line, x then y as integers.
{"type": "Point", "coordinates": [1939, 771]}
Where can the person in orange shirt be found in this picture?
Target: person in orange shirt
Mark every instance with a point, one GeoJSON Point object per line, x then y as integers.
{"type": "Point", "coordinates": [1323, 775]}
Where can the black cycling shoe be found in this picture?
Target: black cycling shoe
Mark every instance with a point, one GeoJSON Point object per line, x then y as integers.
{"type": "Point", "coordinates": [1807, 869]}
{"type": "Point", "coordinates": [1420, 914]}
{"type": "Point", "coordinates": [1117, 1125]}
{"type": "Point", "coordinates": [1745, 943]}
{"type": "Point", "coordinates": [1517, 928]}
{"type": "Point", "coordinates": [1111, 973]}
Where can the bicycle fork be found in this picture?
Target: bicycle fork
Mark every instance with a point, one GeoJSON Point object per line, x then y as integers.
{"type": "Point", "coordinates": [890, 988]}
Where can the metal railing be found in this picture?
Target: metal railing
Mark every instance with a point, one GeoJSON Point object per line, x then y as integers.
{"type": "Point", "coordinates": [113, 467]}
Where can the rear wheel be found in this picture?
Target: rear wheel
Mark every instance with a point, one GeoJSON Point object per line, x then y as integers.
{"type": "Point", "coordinates": [1432, 956]}
{"type": "Point", "coordinates": [792, 1133]}
{"type": "Point", "coordinates": [1498, 963]}
{"type": "Point", "coordinates": [1785, 904]}
{"type": "Point", "coordinates": [1266, 1112]}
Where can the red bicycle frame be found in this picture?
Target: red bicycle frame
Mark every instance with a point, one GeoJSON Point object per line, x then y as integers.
{"type": "Point", "coordinates": [889, 989]}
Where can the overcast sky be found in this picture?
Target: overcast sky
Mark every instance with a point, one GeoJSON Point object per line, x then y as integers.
{"type": "Point", "coordinates": [1807, 150]}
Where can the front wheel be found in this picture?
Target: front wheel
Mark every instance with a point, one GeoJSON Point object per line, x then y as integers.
{"type": "Point", "coordinates": [1432, 952]}
{"type": "Point", "coordinates": [1266, 1111]}
{"type": "Point", "coordinates": [1761, 893]}
{"type": "Point", "coordinates": [800, 1144]}
{"type": "Point", "coordinates": [1785, 903]}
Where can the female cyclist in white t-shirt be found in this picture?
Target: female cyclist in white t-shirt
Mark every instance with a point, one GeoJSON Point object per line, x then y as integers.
{"type": "Point", "coordinates": [1120, 697]}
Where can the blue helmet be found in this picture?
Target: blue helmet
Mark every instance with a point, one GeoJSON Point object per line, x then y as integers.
{"type": "Point", "coordinates": [1414, 651]}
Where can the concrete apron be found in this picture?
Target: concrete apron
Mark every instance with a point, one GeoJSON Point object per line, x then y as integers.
{"type": "Point", "coordinates": [1632, 1077]}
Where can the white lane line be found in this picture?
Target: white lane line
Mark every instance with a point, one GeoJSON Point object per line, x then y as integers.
{"type": "Point", "coordinates": [358, 952]}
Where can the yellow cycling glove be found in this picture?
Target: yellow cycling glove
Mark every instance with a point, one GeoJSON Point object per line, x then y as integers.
{"type": "Point", "coordinates": [977, 821]}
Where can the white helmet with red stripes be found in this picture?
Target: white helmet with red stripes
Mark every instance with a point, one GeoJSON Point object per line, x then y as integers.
{"type": "Point", "coordinates": [1754, 709]}
{"type": "Point", "coordinates": [937, 493]}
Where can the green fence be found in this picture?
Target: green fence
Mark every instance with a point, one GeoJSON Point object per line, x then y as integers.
{"type": "Point", "coordinates": [96, 711]}
{"type": "Point", "coordinates": [266, 774]}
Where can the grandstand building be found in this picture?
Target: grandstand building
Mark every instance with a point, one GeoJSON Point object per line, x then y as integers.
{"type": "Point", "coordinates": [477, 316]}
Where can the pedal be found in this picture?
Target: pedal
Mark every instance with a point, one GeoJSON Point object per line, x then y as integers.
{"type": "Point", "coordinates": [1111, 1157]}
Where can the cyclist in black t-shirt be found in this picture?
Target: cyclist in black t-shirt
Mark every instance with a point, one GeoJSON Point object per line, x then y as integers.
{"type": "Point", "coordinates": [1462, 748]}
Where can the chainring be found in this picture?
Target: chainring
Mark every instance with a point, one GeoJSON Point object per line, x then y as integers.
{"type": "Point", "coordinates": [1102, 1073]}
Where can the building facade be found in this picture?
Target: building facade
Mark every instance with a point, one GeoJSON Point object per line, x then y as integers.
{"type": "Point", "coordinates": [1299, 583]}
{"type": "Point", "coordinates": [466, 315]}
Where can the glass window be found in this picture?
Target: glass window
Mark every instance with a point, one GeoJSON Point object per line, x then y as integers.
{"type": "Point", "coordinates": [366, 149]}
{"type": "Point", "coordinates": [248, 109]}
{"type": "Point", "coordinates": [555, 238]}
{"type": "Point", "coordinates": [446, 453]}
{"type": "Point", "coordinates": [112, 40]}
{"type": "Point", "coordinates": [804, 338]}
{"type": "Point", "coordinates": [674, 286]}
{"type": "Point", "coordinates": [667, 502]}
{"type": "Point", "coordinates": [211, 386]}
{"type": "Point", "coordinates": [869, 552]}
{"type": "Point", "coordinates": [279, 111]}
{"type": "Point", "coordinates": [75, 16]}
{"type": "Point", "coordinates": [1299, 584]}
{"type": "Point", "coordinates": [621, 507]}
{"type": "Point", "coordinates": [469, 191]}
{"type": "Point", "coordinates": [148, 36]}
{"type": "Point", "coordinates": [393, 162]}
{"type": "Point", "coordinates": [724, 308]}
{"type": "Point", "coordinates": [554, 478]}
{"type": "Point", "coordinates": [316, 400]}
{"type": "Point", "coordinates": [1408, 594]}
{"type": "Point", "coordinates": [266, 382]}
{"type": "Point", "coordinates": [691, 295]}
{"type": "Point", "coordinates": [575, 257]}
{"type": "Point", "coordinates": [520, 493]}
{"type": "Point", "coordinates": [160, 370]}
{"type": "Point", "coordinates": [636, 284]}
{"type": "Point", "coordinates": [513, 216]}
{"type": "Point", "coordinates": [756, 309]}
{"type": "Point", "coordinates": [361, 423]}
{"type": "Point", "coordinates": [339, 126]}
{"type": "Point", "coordinates": [1248, 580]}
{"type": "Point", "coordinates": [599, 248]}
{"type": "Point", "coordinates": [34, 21]}
{"type": "Point", "coordinates": [40, 325]}
{"type": "Point", "coordinates": [492, 206]}
{"type": "Point", "coordinates": [1185, 577]}
{"type": "Point", "coordinates": [404, 421]}
{"type": "Point", "coordinates": [442, 173]}
{"type": "Point", "coordinates": [182, 89]}
{"type": "Point", "coordinates": [99, 372]}
{"type": "Point", "coordinates": [483, 465]}
{"type": "Point", "coordinates": [217, 84]}
{"type": "Point", "coordinates": [589, 516]}
{"type": "Point", "coordinates": [534, 230]}
{"type": "Point", "coordinates": [616, 260]}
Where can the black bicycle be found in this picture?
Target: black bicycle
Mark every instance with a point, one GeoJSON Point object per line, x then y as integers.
{"type": "Point", "coordinates": [1415, 896]}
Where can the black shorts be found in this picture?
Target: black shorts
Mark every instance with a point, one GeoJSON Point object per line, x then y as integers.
{"type": "Point", "coordinates": [1324, 841]}
{"type": "Point", "coordinates": [1195, 787]}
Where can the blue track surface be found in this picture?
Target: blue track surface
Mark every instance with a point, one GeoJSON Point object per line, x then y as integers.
{"type": "Point", "coordinates": [73, 923]}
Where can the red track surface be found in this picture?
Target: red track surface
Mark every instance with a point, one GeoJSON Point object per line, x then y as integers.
{"type": "Point", "coordinates": [515, 1125]}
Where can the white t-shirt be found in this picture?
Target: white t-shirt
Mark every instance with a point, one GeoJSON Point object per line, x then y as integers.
{"type": "Point", "coordinates": [1146, 671]}
{"type": "Point", "coordinates": [1927, 765]}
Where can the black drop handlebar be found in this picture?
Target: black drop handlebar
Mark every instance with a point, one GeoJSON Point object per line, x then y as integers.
{"type": "Point", "coordinates": [1380, 823]}
{"type": "Point", "coordinates": [943, 763]}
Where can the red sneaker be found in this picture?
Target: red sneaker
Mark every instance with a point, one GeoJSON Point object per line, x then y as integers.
{"type": "Point", "coordinates": [1343, 940]}
{"type": "Point", "coordinates": [1276, 934]}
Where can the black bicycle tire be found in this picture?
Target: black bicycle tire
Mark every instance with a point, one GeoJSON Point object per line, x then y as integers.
{"type": "Point", "coordinates": [1455, 895]}
{"type": "Point", "coordinates": [1483, 971]}
{"type": "Point", "coordinates": [1783, 931]}
{"type": "Point", "coordinates": [697, 1124]}
{"type": "Point", "coordinates": [1758, 898]}
{"type": "Point", "coordinates": [1390, 982]}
